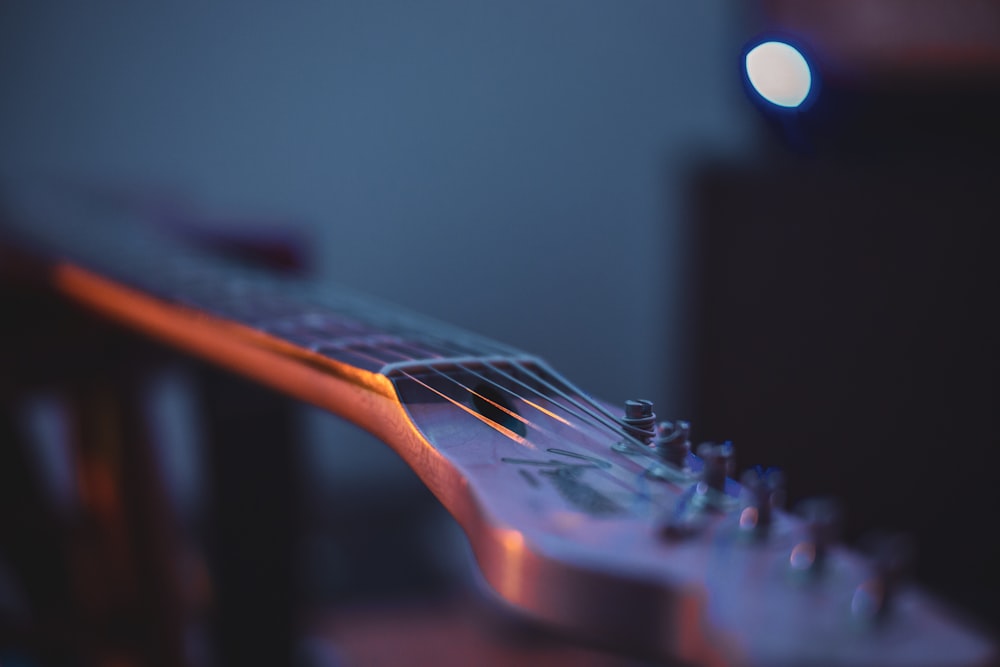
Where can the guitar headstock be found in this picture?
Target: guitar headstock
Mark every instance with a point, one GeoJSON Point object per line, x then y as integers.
{"type": "Point", "coordinates": [595, 521]}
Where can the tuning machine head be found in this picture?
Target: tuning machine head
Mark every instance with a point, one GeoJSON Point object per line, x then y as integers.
{"type": "Point", "coordinates": [822, 517]}
{"type": "Point", "coordinates": [719, 462]}
{"type": "Point", "coordinates": [673, 442]}
{"type": "Point", "coordinates": [766, 491]}
{"type": "Point", "coordinates": [892, 557]}
{"type": "Point", "coordinates": [639, 420]}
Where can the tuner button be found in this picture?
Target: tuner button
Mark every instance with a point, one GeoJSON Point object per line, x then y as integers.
{"type": "Point", "coordinates": [767, 490]}
{"type": "Point", "coordinates": [822, 517]}
{"type": "Point", "coordinates": [719, 463]}
{"type": "Point", "coordinates": [639, 420]}
{"type": "Point", "coordinates": [672, 442]}
{"type": "Point", "coordinates": [892, 556]}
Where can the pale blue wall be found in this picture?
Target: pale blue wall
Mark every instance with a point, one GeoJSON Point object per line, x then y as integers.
{"type": "Point", "coordinates": [509, 166]}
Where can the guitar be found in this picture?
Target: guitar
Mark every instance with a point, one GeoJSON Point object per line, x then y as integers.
{"type": "Point", "coordinates": [597, 521]}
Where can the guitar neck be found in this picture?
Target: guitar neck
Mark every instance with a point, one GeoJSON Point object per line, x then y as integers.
{"type": "Point", "coordinates": [104, 255]}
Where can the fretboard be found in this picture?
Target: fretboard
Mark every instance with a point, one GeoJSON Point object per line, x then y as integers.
{"type": "Point", "coordinates": [112, 241]}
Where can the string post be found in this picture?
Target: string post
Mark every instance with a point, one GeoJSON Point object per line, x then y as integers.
{"type": "Point", "coordinates": [822, 517]}
{"type": "Point", "coordinates": [766, 489]}
{"type": "Point", "coordinates": [639, 420]}
{"type": "Point", "coordinates": [672, 442]}
{"type": "Point", "coordinates": [719, 463]}
{"type": "Point", "coordinates": [892, 557]}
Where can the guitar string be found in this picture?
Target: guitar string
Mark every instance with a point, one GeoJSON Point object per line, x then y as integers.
{"type": "Point", "coordinates": [505, 410]}
{"type": "Point", "coordinates": [588, 419]}
{"type": "Point", "coordinates": [608, 422]}
{"type": "Point", "coordinates": [617, 474]}
{"type": "Point", "coordinates": [363, 312]}
{"type": "Point", "coordinates": [621, 477]}
{"type": "Point", "coordinates": [405, 357]}
{"type": "Point", "coordinates": [511, 413]}
{"type": "Point", "coordinates": [613, 421]}
{"type": "Point", "coordinates": [478, 394]}
{"type": "Point", "coordinates": [508, 390]}
{"type": "Point", "coordinates": [536, 406]}
{"type": "Point", "coordinates": [462, 350]}
{"type": "Point", "coordinates": [365, 309]}
{"type": "Point", "coordinates": [596, 417]}
{"type": "Point", "coordinates": [394, 346]}
{"type": "Point", "coordinates": [489, 422]}
{"type": "Point", "coordinates": [596, 420]}
{"type": "Point", "coordinates": [545, 411]}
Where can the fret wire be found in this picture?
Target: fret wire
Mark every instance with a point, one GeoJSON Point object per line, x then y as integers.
{"type": "Point", "coordinates": [388, 348]}
{"type": "Point", "coordinates": [395, 348]}
{"type": "Point", "coordinates": [355, 351]}
{"type": "Point", "coordinates": [352, 341]}
{"type": "Point", "coordinates": [370, 312]}
{"type": "Point", "coordinates": [463, 350]}
{"type": "Point", "coordinates": [434, 346]}
{"type": "Point", "coordinates": [410, 339]}
{"type": "Point", "coordinates": [414, 327]}
{"type": "Point", "coordinates": [357, 348]}
{"type": "Point", "coordinates": [348, 356]}
{"type": "Point", "coordinates": [426, 353]}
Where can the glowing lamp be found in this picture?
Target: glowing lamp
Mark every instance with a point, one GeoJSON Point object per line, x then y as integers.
{"type": "Point", "coordinates": [779, 74]}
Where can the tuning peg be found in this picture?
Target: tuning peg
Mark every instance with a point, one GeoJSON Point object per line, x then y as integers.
{"type": "Point", "coordinates": [672, 442]}
{"type": "Point", "coordinates": [823, 518]}
{"type": "Point", "coordinates": [892, 556]}
{"type": "Point", "coordinates": [719, 461]}
{"type": "Point", "coordinates": [639, 420]}
{"type": "Point", "coordinates": [767, 490]}
{"type": "Point", "coordinates": [688, 516]}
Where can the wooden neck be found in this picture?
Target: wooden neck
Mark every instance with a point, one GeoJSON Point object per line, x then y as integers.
{"type": "Point", "coordinates": [99, 249]}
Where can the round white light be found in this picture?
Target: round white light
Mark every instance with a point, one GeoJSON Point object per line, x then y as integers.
{"type": "Point", "coordinates": [779, 74]}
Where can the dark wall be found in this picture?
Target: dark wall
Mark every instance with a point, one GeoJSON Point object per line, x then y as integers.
{"type": "Point", "coordinates": [848, 334]}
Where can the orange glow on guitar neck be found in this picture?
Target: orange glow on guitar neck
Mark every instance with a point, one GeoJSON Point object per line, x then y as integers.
{"type": "Point", "coordinates": [511, 581]}
{"type": "Point", "coordinates": [301, 373]}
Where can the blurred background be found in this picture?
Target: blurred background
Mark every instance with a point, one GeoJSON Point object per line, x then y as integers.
{"type": "Point", "coordinates": [597, 183]}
